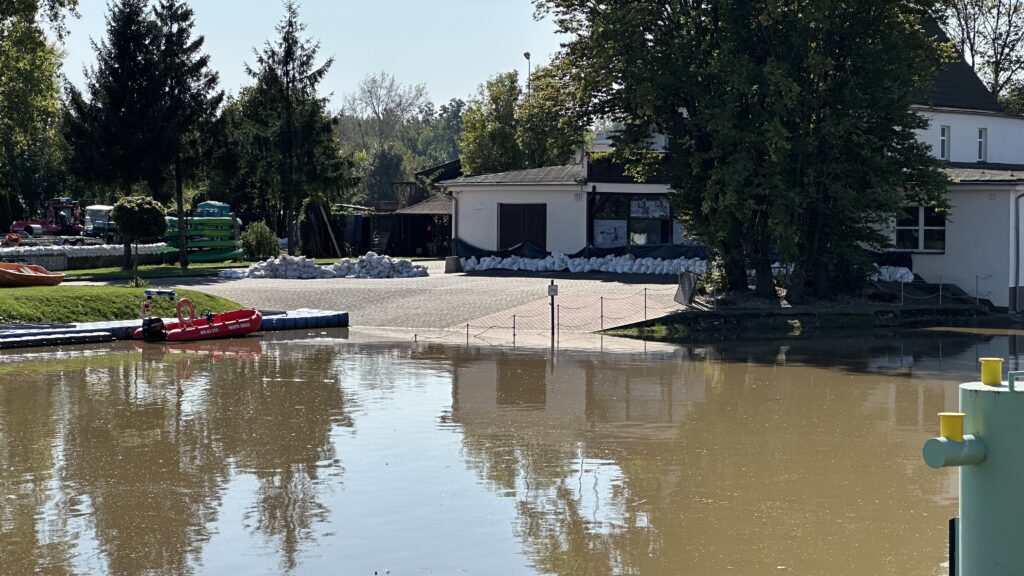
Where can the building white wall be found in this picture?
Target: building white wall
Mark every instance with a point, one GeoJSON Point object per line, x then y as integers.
{"type": "Point", "coordinates": [979, 243]}
{"type": "Point", "coordinates": [1005, 135]}
{"type": "Point", "coordinates": [476, 210]}
{"type": "Point", "coordinates": [476, 214]}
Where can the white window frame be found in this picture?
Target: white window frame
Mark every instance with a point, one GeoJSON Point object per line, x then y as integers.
{"type": "Point", "coordinates": [920, 227]}
{"type": "Point", "coordinates": [945, 133]}
{"type": "Point", "coordinates": [982, 144]}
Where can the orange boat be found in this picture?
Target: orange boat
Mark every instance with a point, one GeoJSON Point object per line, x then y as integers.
{"type": "Point", "coordinates": [12, 275]}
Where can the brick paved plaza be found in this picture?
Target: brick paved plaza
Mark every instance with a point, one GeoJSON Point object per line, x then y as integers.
{"type": "Point", "coordinates": [442, 301]}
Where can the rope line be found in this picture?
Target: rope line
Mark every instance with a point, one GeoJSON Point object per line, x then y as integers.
{"type": "Point", "coordinates": [610, 299]}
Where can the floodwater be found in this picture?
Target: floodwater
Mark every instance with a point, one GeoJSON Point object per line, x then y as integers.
{"type": "Point", "coordinates": [323, 455]}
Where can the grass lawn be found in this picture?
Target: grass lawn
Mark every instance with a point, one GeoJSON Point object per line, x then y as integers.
{"type": "Point", "coordinates": [67, 304]}
{"type": "Point", "coordinates": [152, 271]}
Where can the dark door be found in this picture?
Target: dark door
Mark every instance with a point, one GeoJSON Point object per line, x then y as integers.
{"type": "Point", "coordinates": [518, 223]}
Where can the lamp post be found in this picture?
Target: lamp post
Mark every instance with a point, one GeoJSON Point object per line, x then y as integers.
{"type": "Point", "coordinates": [528, 71]}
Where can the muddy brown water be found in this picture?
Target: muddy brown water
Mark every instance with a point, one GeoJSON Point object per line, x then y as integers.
{"type": "Point", "coordinates": [327, 456]}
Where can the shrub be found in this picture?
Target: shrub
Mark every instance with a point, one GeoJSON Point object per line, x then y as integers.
{"type": "Point", "coordinates": [259, 242]}
{"type": "Point", "coordinates": [138, 218]}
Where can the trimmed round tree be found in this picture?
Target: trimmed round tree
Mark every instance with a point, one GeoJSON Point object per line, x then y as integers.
{"type": "Point", "coordinates": [137, 218]}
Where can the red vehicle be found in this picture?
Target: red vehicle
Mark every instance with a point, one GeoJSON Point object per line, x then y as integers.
{"type": "Point", "coordinates": [61, 217]}
{"type": "Point", "coordinates": [207, 326]}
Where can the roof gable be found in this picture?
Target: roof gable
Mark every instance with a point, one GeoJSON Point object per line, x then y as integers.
{"type": "Point", "coordinates": [957, 86]}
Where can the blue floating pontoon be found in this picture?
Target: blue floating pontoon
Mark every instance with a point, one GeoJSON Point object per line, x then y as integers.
{"type": "Point", "coordinates": [92, 332]}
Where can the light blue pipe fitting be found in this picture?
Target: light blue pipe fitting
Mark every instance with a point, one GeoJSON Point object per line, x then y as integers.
{"type": "Point", "coordinates": [943, 452]}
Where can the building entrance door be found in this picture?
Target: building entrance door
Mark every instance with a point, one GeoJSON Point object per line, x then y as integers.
{"type": "Point", "coordinates": [518, 223]}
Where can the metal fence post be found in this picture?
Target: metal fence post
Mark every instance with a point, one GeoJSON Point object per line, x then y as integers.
{"type": "Point", "coordinates": [513, 327]}
{"type": "Point", "coordinates": [940, 291]}
{"type": "Point", "coordinates": [467, 334]}
{"type": "Point", "coordinates": [551, 292]}
{"type": "Point", "coordinates": [977, 300]}
{"type": "Point", "coordinates": [901, 292]}
{"type": "Point", "coordinates": [602, 312]}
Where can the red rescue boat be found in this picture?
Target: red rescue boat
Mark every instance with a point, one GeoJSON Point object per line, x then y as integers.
{"type": "Point", "coordinates": [190, 327]}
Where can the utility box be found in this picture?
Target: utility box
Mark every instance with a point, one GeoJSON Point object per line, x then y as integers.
{"type": "Point", "coordinates": [990, 455]}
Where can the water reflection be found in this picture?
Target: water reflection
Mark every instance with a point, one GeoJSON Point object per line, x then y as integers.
{"type": "Point", "coordinates": [313, 456]}
{"type": "Point", "coordinates": [748, 458]}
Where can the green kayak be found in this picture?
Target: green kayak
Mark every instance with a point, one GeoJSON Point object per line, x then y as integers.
{"type": "Point", "coordinates": [216, 255]}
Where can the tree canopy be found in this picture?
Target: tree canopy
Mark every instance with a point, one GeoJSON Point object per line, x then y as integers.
{"type": "Point", "coordinates": [189, 101]}
{"type": "Point", "coordinates": [31, 152]}
{"type": "Point", "coordinates": [790, 133]}
{"type": "Point", "coordinates": [295, 122]}
{"type": "Point", "coordinates": [139, 218]}
{"type": "Point", "coordinates": [506, 128]}
{"type": "Point", "coordinates": [114, 128]}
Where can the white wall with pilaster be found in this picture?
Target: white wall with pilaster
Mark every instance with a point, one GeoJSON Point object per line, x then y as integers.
{"type": "Point", "coordinates": [1005, 134]}
{"type": "Point", "coordinates": [980, 253]}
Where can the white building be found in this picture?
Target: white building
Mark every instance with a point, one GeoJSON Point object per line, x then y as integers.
{"type": "Point", "coordinates": [978, 247]}
{"type": "Point", "coordinates": [562, 208]}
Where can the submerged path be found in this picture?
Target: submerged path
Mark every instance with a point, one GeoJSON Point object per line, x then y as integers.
{"type": "Point", "coordinates": [442, 301]}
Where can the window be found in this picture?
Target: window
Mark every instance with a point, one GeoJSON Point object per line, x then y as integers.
{"type": "Point", "coordinates": [619, 220]}
{"type": "Point", "coordinates": [921, 229]}
{"type": "Point", "coordinates": [944, 140]}
{"type": "Point", "coordinates": [982, 144]}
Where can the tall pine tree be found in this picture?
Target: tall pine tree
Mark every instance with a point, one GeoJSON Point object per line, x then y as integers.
{"type": "Point", "coordinates": [115, 128]}
{"type": "Point", "coordinates": [189, 100]}
{"type": "Point", "coordinates": [287, 72]}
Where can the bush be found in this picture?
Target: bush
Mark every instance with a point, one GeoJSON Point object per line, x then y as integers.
{"type": "Point", "coordinates": [259, 242]}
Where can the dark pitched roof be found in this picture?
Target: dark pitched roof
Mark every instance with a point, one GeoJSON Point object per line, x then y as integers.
{"type": "Point", "coordinates": [439, 204]}
{"type": "Point", "coordinates": [957, 86]}
{"type": "Point", "coordinates": [981, 173]}
{"type": "Point", "coordinates": [445, 171]}
{"type": "Point", "coordinates": [568, 174]}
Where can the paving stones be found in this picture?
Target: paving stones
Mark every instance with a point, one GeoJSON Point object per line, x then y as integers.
{"type": "Point", "coordinates": [442, 300]}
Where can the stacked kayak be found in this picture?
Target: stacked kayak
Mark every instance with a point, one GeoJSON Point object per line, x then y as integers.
{"type": "Point", "coordinates": [212, 234]}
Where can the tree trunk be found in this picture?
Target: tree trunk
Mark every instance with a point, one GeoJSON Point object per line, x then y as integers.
{"type": "Point", "coordinates": [736, 275]}
{"type": "Point", "coordinates": [821, 287]}
{"type": "Point", "coordinates": [330, 230]}
{"type": "Point", "coordinates": [735, 266]}
{"type": "Point", "coordinates": [293, 233]}
{"type": "Point", "coordinates": [129, 262]}
{"type": "Point", "coordinates": [179, 199]}
{"type": "Point", "coordinates": [764, 282]}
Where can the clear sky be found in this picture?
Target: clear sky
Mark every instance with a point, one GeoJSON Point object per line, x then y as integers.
{"type": "Point", "coordinates": [451, 46]}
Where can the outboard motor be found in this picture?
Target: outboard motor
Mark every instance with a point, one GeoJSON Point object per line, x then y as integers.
{"type": "Point", "coordinates": [153, 330]}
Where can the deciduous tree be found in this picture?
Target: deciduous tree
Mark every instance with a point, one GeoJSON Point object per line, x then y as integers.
{"type": "Point", "coordinates": [139, 218]}
{"type": "Point", "coordinates": [789, 123]}
{"type": "Point", "coordinates": [489, 127]}
{"type": "Point", "coordinates": [31, 154]}
{"type": "Point", "coordinates": [990, 35]}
